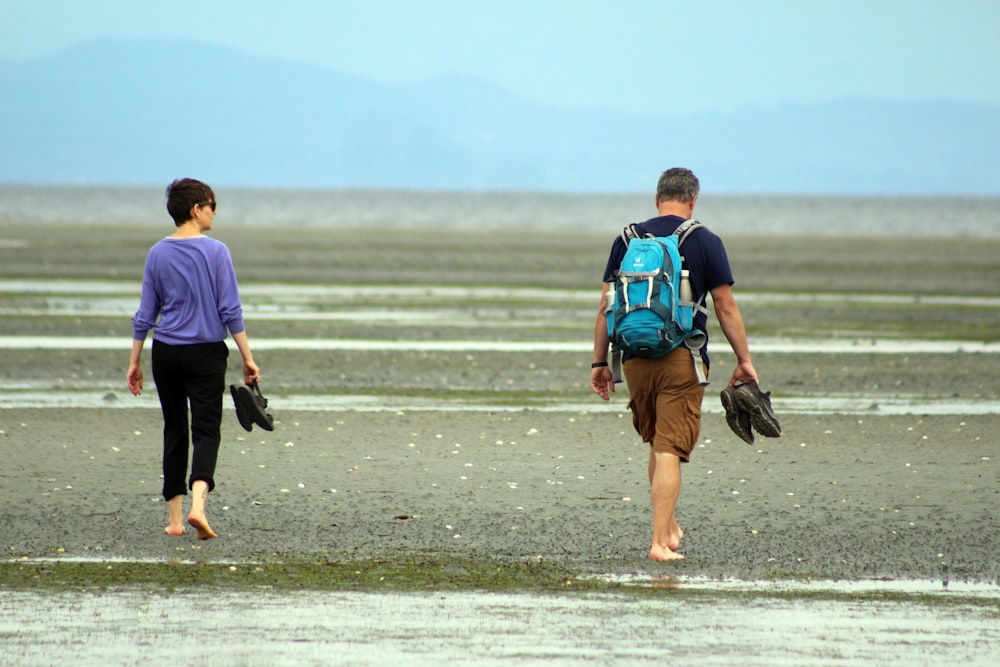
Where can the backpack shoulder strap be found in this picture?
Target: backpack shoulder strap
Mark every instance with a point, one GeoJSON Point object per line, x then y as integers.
{"type": "Point", "coordinates": [629, 233]}
{"type": "Point", "coordinates": [684, 230]}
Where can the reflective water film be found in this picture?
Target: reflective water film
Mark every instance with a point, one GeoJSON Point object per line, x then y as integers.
{"type": "Point", "coordinates": [665, 627]}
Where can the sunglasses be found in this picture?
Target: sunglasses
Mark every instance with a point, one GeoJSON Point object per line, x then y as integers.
{"type": "Point", "coordinates": [210, 204]}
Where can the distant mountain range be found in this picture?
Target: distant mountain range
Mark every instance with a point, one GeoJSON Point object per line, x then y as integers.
{"type": "Point", "coordinates": [121, 112]}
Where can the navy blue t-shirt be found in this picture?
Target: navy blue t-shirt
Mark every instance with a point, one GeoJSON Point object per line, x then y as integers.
{"type": "Point", "coordinates": [704, 257]}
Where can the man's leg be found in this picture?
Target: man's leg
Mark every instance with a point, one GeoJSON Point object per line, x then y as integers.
{"type": "Point", "coordinates": [664, 489]}
{"type": "Point", "coordinates": [665, 400]}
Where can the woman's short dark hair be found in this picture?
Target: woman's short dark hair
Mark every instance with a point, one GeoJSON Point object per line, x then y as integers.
{"type": "Point", "coordinates": [677, 184]}
{"type": "Point", "coordinates": [183, 194]}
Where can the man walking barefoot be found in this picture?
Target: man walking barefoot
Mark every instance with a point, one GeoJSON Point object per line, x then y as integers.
{"type": "Point", "coordinates": [666, 393]}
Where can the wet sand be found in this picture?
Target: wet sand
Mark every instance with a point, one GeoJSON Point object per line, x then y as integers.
{"type": "Point", "coordinates": [837, 497]}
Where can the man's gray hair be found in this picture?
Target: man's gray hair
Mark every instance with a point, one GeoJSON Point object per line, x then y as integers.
{"type": "Point", "coordinates": [677, 184]}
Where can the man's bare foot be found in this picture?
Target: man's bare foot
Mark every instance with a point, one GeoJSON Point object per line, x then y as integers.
{"type": "Point", "coordinates": [176, 531]}
{"type": "Point", "coordinates": [663, 553]}
{"type": "Point", "coordinates": [201, 527]}
{"type": "Point", "coordinates": [674, 539]}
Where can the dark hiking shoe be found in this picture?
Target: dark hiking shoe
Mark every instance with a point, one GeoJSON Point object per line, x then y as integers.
{"type": "Point", "coordinates": [250, 406]}
{"type": "Point", "coordinates": [738, 420]}
{"type": "Point", "coordinates": [750, 399]}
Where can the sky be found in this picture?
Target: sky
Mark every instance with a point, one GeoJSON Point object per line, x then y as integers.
{"type": "Point", "coordinates": [643, 56]}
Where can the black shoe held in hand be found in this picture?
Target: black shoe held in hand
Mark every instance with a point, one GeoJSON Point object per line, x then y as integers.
{"type": "Point", "coordinates": [250, 407]}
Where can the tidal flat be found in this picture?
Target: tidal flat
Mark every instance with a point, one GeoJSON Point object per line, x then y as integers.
{"type": "Point", "coordinates": [489, 501]}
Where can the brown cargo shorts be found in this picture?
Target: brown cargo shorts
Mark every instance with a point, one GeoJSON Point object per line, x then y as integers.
{"type": "Point", "coordinates": [665, 400]}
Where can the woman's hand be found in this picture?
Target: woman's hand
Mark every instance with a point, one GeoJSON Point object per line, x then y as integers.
{"type": "Point", "coordinates": [251, 373]}
{"type": "Point", "coordinates": [134, 379]}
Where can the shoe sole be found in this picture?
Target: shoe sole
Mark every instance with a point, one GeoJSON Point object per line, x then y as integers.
{"type": "Point", "coordinates": [244, 406]}
{"type": "Point", "coordinates": [733, 416]}
{"type": "Point", "coordinates": [763, 423]}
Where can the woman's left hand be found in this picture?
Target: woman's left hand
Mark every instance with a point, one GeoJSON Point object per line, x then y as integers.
{"type": "Point", "coordinates": [251, 373]}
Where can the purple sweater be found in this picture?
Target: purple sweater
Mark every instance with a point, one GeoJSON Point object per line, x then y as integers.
{"type": "Point", "coordinates": [189, 293]}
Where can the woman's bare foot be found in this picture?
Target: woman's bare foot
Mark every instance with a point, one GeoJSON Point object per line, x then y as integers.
{"type": "Point", "coordinates": [196, 517]}
{"type": "Point", "coordinates": [175, 519]}
{"type": "Point", "coordinates": [663, 553]}
{"type": "Point", "coordinates": [201, 527]}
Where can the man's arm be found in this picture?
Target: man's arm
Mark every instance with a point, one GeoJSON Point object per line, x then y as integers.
{"type": "Point", "coordinates": [732, 326]}
{"type": "Point", "coordinates": [601, 380]}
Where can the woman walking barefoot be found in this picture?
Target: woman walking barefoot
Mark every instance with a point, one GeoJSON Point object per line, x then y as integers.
{"type": "Point", "coordinates": [190, 299]}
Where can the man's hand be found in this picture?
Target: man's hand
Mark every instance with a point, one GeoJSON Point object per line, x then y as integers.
{"type": "Point", "coordinates": [744, 373]}
{"type": "Point", "coordinates": [602, 382]}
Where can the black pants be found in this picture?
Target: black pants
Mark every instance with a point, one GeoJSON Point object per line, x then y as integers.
{"type": "Point", "coordinates": [195, 373]}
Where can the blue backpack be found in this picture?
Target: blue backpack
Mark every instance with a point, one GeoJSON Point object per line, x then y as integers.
{"type": "Point", "coordinates": [649, 309]}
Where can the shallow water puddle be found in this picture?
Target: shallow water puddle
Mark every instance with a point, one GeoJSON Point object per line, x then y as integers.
{"type": "Point", "coordinates": [294, 293]}
{"type": "Point", "coordinates": [764, 345]}
{"type": "Point", "coordinates": [485, 628]}
{"type": "Point", "coordinates": [23, 395]}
